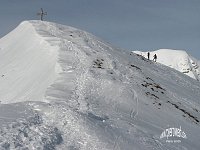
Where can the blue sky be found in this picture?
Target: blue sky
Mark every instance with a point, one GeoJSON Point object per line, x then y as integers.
{"type": "Point", "coordinates": [129, 24]}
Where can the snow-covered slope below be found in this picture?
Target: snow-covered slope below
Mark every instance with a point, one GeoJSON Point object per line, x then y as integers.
{"type": "Point", "coordinates": [76, 92]}
{"type": "Point", "coordinates": [177, 59]}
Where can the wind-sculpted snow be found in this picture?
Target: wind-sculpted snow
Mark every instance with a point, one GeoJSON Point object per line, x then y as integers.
{"type": "Point", "coordinates": [27, 130]}
{"type": "Point", "coordinates": [94, 96]}
{"type": "Point", "coordinates": [27, 65]}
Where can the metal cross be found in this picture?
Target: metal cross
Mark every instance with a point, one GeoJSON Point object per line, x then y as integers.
{"type": "Point", "coordinates": [41, 14]}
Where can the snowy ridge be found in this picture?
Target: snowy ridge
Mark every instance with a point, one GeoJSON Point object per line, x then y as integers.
{"type": "Point", "coordinates": [93, 96]}
{"type": "Point", "coordinates": [27, 66]}
{"type": "Point", "coordinates": [177, 59]}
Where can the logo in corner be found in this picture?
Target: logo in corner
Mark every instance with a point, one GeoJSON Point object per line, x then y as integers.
{"type": "Point", "coordinates": [173, 135]}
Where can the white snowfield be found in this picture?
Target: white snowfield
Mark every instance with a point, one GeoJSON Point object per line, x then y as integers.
{"type": "Point", "coordinates": [63, 88]}
{"type": "Point", "coordinates": [177, 59]}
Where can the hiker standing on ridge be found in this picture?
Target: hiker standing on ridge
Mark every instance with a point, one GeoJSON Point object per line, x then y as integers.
{"type": "Point", "coordinates": [154, 57]}
{"type": "Point", "coordinates": [148, 55]}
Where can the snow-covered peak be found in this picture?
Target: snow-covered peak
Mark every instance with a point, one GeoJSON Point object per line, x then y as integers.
{"type": "Point", "coordinates": [63, 88]}
{"type": "Point", "coordinates": [177, 59]}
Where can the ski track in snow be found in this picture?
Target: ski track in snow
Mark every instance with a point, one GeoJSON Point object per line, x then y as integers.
{"type": "Point", "coordinates": [134, 113]}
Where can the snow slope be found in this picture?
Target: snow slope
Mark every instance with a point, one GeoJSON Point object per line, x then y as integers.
{"type": "Point", "coordinates": [177, 59]}
{"type": "Point", "coordinates": [64, 88]}
{"type": "Point", "coordinates": [28, 64]}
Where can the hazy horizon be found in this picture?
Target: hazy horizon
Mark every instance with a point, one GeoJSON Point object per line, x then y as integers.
{"type": "Point", "coordinates": [130, 24]}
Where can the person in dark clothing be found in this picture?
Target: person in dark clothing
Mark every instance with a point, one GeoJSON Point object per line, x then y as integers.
{"type": "Point", "coordinates": [154, 57]}
{"type": "Point", "coordinates": [148, 55]}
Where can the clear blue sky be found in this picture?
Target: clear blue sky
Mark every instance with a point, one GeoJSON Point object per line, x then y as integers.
{"type": "Point", "coordinates": [129, 24]}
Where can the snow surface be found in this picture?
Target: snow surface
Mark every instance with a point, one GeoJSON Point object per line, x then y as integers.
{"type": "Point", "coordinates": [27, 65]}
{"type": "Point", "coordinates": [63, 88]}
{"type": "Point", "coordinates": [177, 59]}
